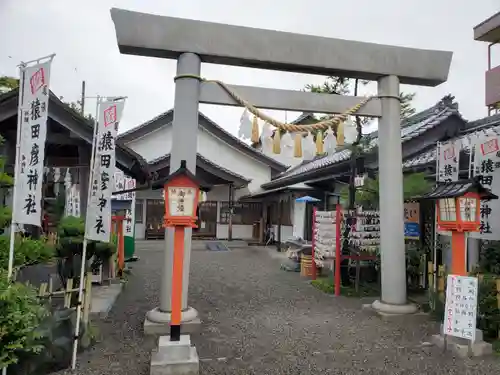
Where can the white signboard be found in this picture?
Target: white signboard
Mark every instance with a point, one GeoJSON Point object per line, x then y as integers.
{"type": "Point", "coordinates": [448, 162]}
{"type": "Point", "coordinates": [461, 307]}
{"type": "Point", "coordinates": [181, 201]}
{"type": "Point", "coordinates": [124, 183]}
{"type": "Point", "coordinates": [33, 102]}
{"type": "Point", "coordinates": [487, 167]}
{"type": "Point", "coordinates": [98, 223]}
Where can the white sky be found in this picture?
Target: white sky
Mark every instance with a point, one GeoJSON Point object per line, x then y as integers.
{"type": "Point", "coordinates": [82, 35]}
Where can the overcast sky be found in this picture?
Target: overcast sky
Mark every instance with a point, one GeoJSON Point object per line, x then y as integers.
{"type": "Point", "coordinates": [82, 35]}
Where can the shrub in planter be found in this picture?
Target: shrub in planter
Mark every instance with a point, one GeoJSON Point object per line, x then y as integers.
{"type": "Point", "coordinates": [20, 316]}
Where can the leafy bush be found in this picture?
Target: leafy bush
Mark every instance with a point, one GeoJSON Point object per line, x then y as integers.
{"type": "Point", "coordinates": [71, 226]}
{"type": "Point", "coordinates": [26, 251]}
{"type": "Point", "coordinates": [20, 316]}
{"type": "Point", "coordinates": [5, 216]}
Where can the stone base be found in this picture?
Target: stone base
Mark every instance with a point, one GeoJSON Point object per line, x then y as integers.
{"type": "Point", "coordinates": [103, 297]}
{"type": "Point", "coordinates": [158, 323]}
{"type": "Point", "coordinates": [388, 311]}
{"type": "Point", "coordinates": [461, 347]}
{"type": "Point", "coordinates": [175, 357]}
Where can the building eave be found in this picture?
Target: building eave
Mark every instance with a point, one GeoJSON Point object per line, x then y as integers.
{"type": "Point", "coordinates": [163, 163]}
{"type": "Point", "coordinates": [166, 118]}
{"type": "Point", "coordinates": [126, 159]}
{"type": "Point", "coordinates": [413, 128]}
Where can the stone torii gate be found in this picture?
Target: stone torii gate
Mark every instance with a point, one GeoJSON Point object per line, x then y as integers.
{"type": "Point", "coordinates": [193, 42]}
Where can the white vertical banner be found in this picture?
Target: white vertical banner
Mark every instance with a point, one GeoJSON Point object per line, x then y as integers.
{"type": "Point", "coordinates": [448, 165]}
{"type": "Point", "coordinates": [68, 211]}
{"type": "Point", "coordinates": [129, 223]}
{"type": "Point", "coordinates": [75, 200]}
{"type": "Point", "coordinates": [98, 221]}
{"type": "Point", "coordinates": [449, 153]}
{"type": "Point", "coordinates": [487, 168]}
{"type": "Point", "coordinates": [33, 105]}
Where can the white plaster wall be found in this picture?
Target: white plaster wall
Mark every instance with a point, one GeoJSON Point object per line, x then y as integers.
{"type": "Point", "coordinates": [286, 232]}
{"type": "Point", "coordinates": [153, 145]}
{"type": "Point", "coordinates": [228, 157]}
{"type": "Point", "coordinates": [240, 232]}
{"type": "Point", "coordinates": [159, 143]}
{"type": "Point", "coordinates": [219, 193]}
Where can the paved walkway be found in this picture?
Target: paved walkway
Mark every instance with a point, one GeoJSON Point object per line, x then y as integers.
{"type": "Point", "coordinates": [260, 320]}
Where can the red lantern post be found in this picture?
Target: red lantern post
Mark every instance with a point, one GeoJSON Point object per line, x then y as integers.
{"type": "Point", "coordinates": [458, 206]}
{"type": "Point", "coordinates": [181, 191]}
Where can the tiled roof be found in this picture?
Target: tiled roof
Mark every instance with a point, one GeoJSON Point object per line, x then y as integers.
{"type": "Point", "coordinates": [488, 124]}
{"type": "Point", "coordinates": [205, 160]}
{"type": "Point", "coordinates": [410, 128]}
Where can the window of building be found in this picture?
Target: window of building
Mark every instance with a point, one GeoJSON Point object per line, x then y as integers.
{"type": "Point", "coordinates": [243, 213]}
{"type": "Point", "coordinates": [139, 204]}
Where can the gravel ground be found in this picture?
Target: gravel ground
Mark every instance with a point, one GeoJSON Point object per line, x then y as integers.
{"type": "Point", "coordinates": [260, 320]}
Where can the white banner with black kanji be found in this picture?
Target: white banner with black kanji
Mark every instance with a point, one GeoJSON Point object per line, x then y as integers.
{"type": "Point", "coordinates": [98, 221]}
{"type": "Point", "coordinates": [448, 162]}
{"type": "Point", "coordinates": [28, 181]}
{"type": "Point", "coordinates": [487, 167]}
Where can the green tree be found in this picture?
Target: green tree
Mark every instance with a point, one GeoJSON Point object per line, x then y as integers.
{"type": "Point", "coordinates": [414, 185]}
{"type": "Point", "coordinates": [8, 83]}
{"type": "Point", "coordinates": [6, 181]}
{"type": "Point", "coordinates": [349, 86]}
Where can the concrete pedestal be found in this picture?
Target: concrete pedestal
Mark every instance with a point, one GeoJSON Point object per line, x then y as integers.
{"type": "Point", "coordinates": [461, 347]}
{"type": "Point", "coordinates": [158, 322]}
{"type": "Point", "coordinates": [175, 357]}
{"type": "Point", "coordinates": [386, 309]}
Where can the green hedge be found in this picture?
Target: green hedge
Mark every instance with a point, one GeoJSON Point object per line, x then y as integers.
{"type": "Point", "coordinates": [26, 251]}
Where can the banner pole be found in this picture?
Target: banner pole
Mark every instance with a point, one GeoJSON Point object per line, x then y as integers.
{"type": "Point", "coordinates": [13, 224]}
{"type": "Point", "coordinates": [84, 250]}
{"type": "Point", "coordinates": [435, 265]}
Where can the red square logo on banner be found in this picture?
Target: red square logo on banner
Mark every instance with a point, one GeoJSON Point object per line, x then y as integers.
{"type": "Point", "coordinates": [449, 153]}
{"type": "Point", "coordinates": [490, 146]}
{"type": "Point", "coordinates": [37, 80]}
{"type": "Point", "coordinates": [110, 115]}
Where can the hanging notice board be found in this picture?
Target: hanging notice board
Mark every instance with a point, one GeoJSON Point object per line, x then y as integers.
{"type": "Point", "coordinates": [412, 220]}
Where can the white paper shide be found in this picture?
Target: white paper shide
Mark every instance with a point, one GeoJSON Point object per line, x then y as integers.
{"type": "Point", "coordinates": [34, 101]}
{"type": "Point", "coordinates": [461, 307]}
{"type": "Point", "coordinates": [98, 223]}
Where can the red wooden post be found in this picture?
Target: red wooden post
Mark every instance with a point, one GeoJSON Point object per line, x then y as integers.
{"type": "Point", "coordinates": [177, 279]}
{"type": "Point", "coordinates": [338, 256]}
{"type": "Point", "coordinates": [313, 244]}
{"type": "Point", "coordinates": [118, 221]}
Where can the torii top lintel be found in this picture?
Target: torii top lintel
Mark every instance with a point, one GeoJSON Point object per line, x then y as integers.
{"type": "Point", "coordinates": [168, 37]}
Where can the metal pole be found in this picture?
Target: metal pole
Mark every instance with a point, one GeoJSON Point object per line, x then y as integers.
{"type": "Point", "coordinates": [435, 265]}
{"type": "Point", "coordinates": [51, 56]}
{"type": "Point", "coordinates": [84, 250]}
{"type": "Point", "coordinates": [82, 104]}
{"type": "Point", "coordinates": [13, 225]}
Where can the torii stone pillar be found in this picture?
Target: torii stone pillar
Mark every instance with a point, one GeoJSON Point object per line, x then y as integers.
{"type": "Point", "coordinates": [188, 40]}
